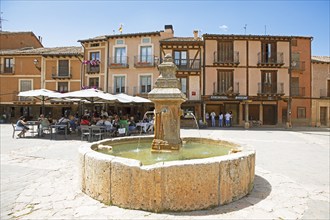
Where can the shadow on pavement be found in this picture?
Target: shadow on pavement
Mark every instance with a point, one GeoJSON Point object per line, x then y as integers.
{"type": "Point", "coordinates": [261, 190]}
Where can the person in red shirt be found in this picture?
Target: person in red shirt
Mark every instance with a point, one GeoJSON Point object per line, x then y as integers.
{"type": "Point", "coordinates": [84, 121]}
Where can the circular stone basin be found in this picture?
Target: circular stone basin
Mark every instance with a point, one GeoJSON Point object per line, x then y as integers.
{"type": "Point", "coordinates": [178, 185]}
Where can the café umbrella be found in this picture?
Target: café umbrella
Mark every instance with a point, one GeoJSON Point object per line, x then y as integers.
{"type": "Point", "coordinates": [41, 94]}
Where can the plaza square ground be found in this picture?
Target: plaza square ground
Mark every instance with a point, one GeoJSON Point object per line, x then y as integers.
{"type": "Point", "coordinates": [39, 178]}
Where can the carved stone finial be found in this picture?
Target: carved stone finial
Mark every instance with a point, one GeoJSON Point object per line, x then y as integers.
{"type": "Point", "coordinates": [168, 58]}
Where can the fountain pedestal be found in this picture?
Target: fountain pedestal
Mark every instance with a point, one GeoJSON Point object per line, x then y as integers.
{"type": "Point", "coordinates": [167, 98]}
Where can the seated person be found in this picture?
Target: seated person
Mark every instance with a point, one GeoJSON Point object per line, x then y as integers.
{"type": "Point", "coordinates": [84, 121]}
{"type": "Point", "coordinates": [101, 121]}
{"type": "Point", "coordinates": [73, 123]}
{"type": "Point", "coordinates": [44, 124]}
{"type": "Point", "coordinates": [21, 126]}
{"type": "Point", "coordinates": [63, 121]}
{"type": "Point", "coordinates": [108, 125]}
{"type": "Point", "coordinates": [131, 124]}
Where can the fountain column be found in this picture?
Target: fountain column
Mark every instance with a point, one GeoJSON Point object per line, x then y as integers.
{"type": "Point", "coordinates": [167, 97]}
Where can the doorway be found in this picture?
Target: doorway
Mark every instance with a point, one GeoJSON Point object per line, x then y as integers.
{"type": "Point", "coordinates": [269, 115]}
{"type": "Point", "coordinates": [323, 116]}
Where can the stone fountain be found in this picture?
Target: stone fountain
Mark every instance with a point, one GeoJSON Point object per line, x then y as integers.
{"type": "Point", "coordinates": [167, 97]}
{"type": "Point", "coordinates": [191, 183]}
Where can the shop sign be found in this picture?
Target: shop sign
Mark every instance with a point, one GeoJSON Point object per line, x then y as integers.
{"type": "Point", "coordinates": [240, 97]}
{"type": "Point", "coordinates": [218, 97]}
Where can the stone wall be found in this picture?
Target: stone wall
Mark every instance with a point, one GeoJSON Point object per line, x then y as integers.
{"type": "Point", "coordinates": [169, 186]}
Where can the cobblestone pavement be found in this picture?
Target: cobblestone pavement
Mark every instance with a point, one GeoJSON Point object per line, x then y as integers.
{"type": "Point", "coordinates": [39, 178]}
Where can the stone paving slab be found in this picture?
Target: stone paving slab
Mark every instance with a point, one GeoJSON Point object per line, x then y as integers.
{"type": "Point", "coordinates": [40, 179]}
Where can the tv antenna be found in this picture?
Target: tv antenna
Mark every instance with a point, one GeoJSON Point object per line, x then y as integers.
{"type": "Point", "coordinates": [1, 19]}
{"type": "Point", "coordinates": [245, 29]}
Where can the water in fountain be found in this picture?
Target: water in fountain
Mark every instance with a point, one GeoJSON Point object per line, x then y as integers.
{"type": "Point", "coordinates": [141, 129]}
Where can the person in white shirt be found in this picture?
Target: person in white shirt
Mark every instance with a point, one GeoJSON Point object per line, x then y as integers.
{"type": "Point", "coordinates": [227, 117]}
{"type": "Point", "coordinates": [220, 119]}
{"type": "Point", "coordinates": [213, 118]}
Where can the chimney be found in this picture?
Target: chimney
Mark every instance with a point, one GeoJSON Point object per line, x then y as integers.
{"type": "Point", "coordinates": [195, 34]}
{"type": "Point", "coordinates": [169, 28]}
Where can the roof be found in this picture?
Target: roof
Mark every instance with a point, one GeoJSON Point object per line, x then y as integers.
{"type": "Point", "coordinates": [105, 37]}
{"type": "Point", "coordinates": [240, 36]}
{"type": "Point", "coordinates": [320, 59]}
{"type": "Point", "coordinates": [182, 39]}
{"type": "Point", "coordinates": [44, 51]}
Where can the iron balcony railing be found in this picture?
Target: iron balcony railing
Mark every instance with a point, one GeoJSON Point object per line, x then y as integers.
{"type": "Point", "coordinates": [325, 93]}
{"type": "Point", "coordinates": [144, 61]}
{"type": "Point", "coordinates": [119, 62]}
{"type": "Point", "coordinates": [298, 91]}
{"type": "Point", "coordinates": [298, 65]}
{"type": "Point", "coordinates": [230, 58]}
{"type": "Point", "coordinates": [92, 68]}
{"type": "Point", "coordinates": [145, 89]}
{"type": "Point", "coordinates": [271, 88]}
{"type": "Point", "coordinates": [7, 70]}
{"type": "Point", "coordinates": [188, 64]}
{"type": "Point", "coordinates": [119, 89]}
{"type": "Point", "coordinates": [270, 59]}
{"type": "Point", "coordinates": [226, 89]}
{"type": "Point", "coordinates": [61, 74]}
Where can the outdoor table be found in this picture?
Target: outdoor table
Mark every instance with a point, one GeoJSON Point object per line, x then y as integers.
{"type": "Point", "coordinates": [143, 125]}
{"type": "Point", "coordinates": [56, 127]}
{"type": "Point", "coordinates": [34, 126]}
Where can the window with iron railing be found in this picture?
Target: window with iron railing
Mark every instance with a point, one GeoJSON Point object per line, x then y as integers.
{"type": "Point", "coordinates": [225, 82]}
{"type": "Point", "coordinates": [181, 58]}
{"type": "Point", "coordinates": [25, 85]}
{"type": "Point", "coordinates": [119, 84]}
{"type": "Point", "coordinates": [8, 66]}
{"type": "Point", "coordinates": [94, 82]}
{"type": "Point", "coordinates": [145, 84]}
{"type": "Point", "coordinates": [62, 87]}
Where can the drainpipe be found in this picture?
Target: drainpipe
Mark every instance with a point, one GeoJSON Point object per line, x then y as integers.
{"type": "Point", "coordinates": [203, 79]}
{"type": "Point", "coordinates": [82, 70]}
{"type": "Point", "coordinates": [106, 67]}
{"type": "Point", "coordinates": [289, 122]}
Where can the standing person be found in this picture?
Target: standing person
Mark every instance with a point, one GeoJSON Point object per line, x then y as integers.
{"type": "Point", "coordinates": [227, 117]}
{"type": "Point", "coordinates": [231, 118]}
{"type": "Point", "coordinates": [220, 119]}
{"type": "Point", "coordinates": [21, 126]}
{"type": "Point", "coordinates": [207, 117]}
{"type": "Point", "coordinates": [213, 118]}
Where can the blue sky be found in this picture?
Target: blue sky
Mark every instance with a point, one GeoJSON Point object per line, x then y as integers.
{"type": "Point", "coordinates": [63, 23]}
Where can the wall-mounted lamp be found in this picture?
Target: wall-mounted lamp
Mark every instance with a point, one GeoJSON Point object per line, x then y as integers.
{"type": "Point", "coordinates": [36, 64]}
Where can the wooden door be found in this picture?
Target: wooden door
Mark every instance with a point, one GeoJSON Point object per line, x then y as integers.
{"type": "Point", "coordinates": [323, 115]}
{"type": "Point", "coordinates": [269, 115]}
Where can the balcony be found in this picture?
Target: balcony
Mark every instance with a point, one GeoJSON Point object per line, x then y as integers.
{"type": "Point", "coordinates": [91, 69]}
{"type": "Point", "coordinates": [117, 90]}
{"type": "Point", "coordinates": [7, 70]}
{"type": "Point", "coordinates": [298, 65]}
{"type": "Point", "coordinates": [226, 90]}
{"type": "Point", "coordinates": [273, 60]}
{"type": "Point", "coordinates": [325, 93]}
{"type": "Point", "coordinates": [144, 61]}
{"type": "Point", "coordinates": [118, 62]}
{"type": "Point", "coordinates": [298, 91]}
{"type": "Point", "coordinates": [271, 89]}
{"type": "Point", "coordinates": [232, 59]}
{"type": "Point", "coordinates": [62, 74]}
{"type": "Point", "coordinates": [142, 90]}
{"type": "Point", "coordinates": [188, 64]}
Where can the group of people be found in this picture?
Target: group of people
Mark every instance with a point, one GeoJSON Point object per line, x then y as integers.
{"type": "Point", "coordinates": [225, 120]}
{"type": "Point", "coordinates": [111, 122]}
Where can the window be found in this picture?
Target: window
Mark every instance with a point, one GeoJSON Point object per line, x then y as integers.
{"type": "Point", "coordinates": [301, 112]}
{"type": "Point", "coordinates": [145, 54]}
{"type": "Point", "coordinates": [294, 42]}
{"type": "Point", "coordinates": [183, 82]}
{"type": "Point", "coordinates": [328, 88]}
{"type": "Point", "coordinates": [120, 55]}
{"type": "Point", "coordinates": [119, 84]}
{"type": "Point", "coordinates": [146, 40]}
{"type": "Point", "coordinates": [94, 56]}
{"type": "Point", "coordinates": [225, 51]}
{"type": "Point", "coordinates": [269, 81]}
{"type": "Point", "coordinates": [145, 84]}
{"type": "Point", "coordinates": [25, 85]}
{"type": "Point", "coordinates": [295, 86]}
{"type": "Point", "coordinates": [62, 87]}
{"type": "Point", "coordinates": [9, 63]}
{"type": "Point", "coordinates": [180, 58]}
{"type": "Point", "coordinates": [225, 81]}
{"type": "Point", "coordinates": [63, 68]}
{"type": "Point", "coordinates": [120, 41]}
{"type": "Point", "coordinates": [94, 82]}
{"type": "Point", "coordinates": [95, 45]}
{"type": "Point", "coordinates": [268, 52]}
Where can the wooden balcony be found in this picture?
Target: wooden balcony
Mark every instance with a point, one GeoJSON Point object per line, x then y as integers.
{"type": "Point", "coordinates": [270, 89]}
{"type": "Point", "coordinates": [92, 69]}
{"type": "Point", "coordinates": [230, 59]}
{"type": "Point", "coordinates": [188, 64]}
{"type": "Point", "coordinates": [63, 74]}
{"type": "Point", "coordinates": [274, 60]}
{"type": "Point", "coordinates": [298, 66]}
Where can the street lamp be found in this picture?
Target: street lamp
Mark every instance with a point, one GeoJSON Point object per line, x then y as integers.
{"type": "Point", "coordinates": [36, 64]}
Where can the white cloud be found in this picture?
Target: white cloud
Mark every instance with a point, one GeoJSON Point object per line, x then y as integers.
{"type": "Point", "coordinates": [223, 28]}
